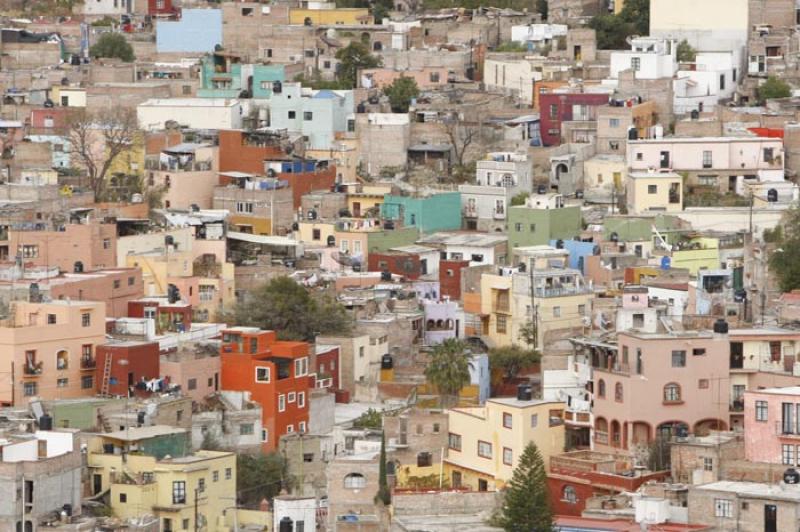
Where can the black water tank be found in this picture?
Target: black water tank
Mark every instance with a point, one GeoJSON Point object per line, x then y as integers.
{"type": "Point", "coordinates": [386, 275]}
{"type": "Point", "coordinates": [541, 189]}
{"type": "Point", "coordinates": [67, 508]}
{"type": "Point", "coordinates": [277, 87]}
{"type": "Point", "coordinates": [695, 114]}
{"type": "Point", "coordinates": [633, 134]}
{"type": "Point", "coordinates": [387, 362]}
{"type": "Point", "coordinates": [791, 476]}
{"type": "Point", "coordinates": [524, 392]}
{"type": "Point", "coordinates": [559, 244]}
{"type": "Point", "coordinates": [140, 418]}
{"type": "Point", "coordinates": [522, 267]}
{"type": "Point", "coordinates": [614, 237]}
{"type": "Point", "coordinates": [286, 525]}
{"type": "Point", "coordinates": [772, 195]}
{"type": "Point", "coordinates": [579, 194]}
{"type": "Point", "coordinates": [721, 326]}
{"type": "Point", "coordinates": [45, 422]}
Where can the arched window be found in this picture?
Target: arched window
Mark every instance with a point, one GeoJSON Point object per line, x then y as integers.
{"type": "Point", "coordinates": [672, 393]}
{"type": "Point", "coordinates": [62, 359]}
{"type": "Point", "coordinates": [618, 392]}
{"type": "Point", "coordinates": [568, 495]}
{"type": "Point", "coordinates": [508, 180]}
{"type": "Point", "coordinates": [601, 388]}
{"type": "Point", "coordinates": [355, 481]}
{"type": "Point", "coordinates": [377, 46]}
{"type": "Point", "coordinates": [430, 325]}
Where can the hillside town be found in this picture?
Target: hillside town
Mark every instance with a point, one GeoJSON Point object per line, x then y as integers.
{"type": "Point", "coordinates": [404, 266]}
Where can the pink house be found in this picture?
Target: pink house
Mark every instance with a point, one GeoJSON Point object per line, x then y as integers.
{"type": "Point", "coordinates": [659, 385]}
{"type": "Point", "coordinates": [772, 425]}
{"type": "Point", "coordinates": [719, 162]}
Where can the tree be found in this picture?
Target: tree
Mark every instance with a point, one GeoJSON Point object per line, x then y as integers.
{"type": "Point", "coordinates": [98, 138]}
{"type": "Point", "coordinates": [258, 477]}
{"type": "Point", "coordinates": [371, 419]}
{"type": "Point", "coordinates": [526, 504]}
{"type": "Point", "coordinates": [773, 88]}
{"type": "Point", "coordinates": [637, 13]}
{"type": "Point", "coordinates": [448, 369]}
{"type": "Point", "coordinates": [383, 495]}
{"type": "Point", "coordinates": [287, 308]}
{"type": "Point", "coordinates": [400, 93]}
{"type": "Point", "coordinates": [380, 10]}
{"type": "Point", "coordinates": [785, 260]}
{"type": "Point", "coordinates": [461, 136]}
{"type": "Point", "coordinates": [686, 54]}
{"type": "Point", "coordinates": [112, 45]}
{"type": "Point", "coordinates": [658, 457]}
{"type": "Point", "coordinates": [519, 199]}
{"type": "Point", "coordinates": [612, 31]}
{"type": "Point", "coordinates": [511, 360]}
{"type": "Point", "coordinates": [511, 46]}
{"type": "Point", "coordinates": [542, 8]}
{"type": "Point", "coordinates": [352, 58]}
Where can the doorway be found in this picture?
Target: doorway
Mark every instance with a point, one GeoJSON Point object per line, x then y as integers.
{"type": "Point", "coordinates": [770, 518]}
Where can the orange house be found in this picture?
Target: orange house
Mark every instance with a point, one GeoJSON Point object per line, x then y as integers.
{"type": "Point", "coordinates": [276, 375]}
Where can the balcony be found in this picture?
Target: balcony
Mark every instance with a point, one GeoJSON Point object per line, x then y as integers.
{"type": "Point", "coordinates": [737, 405]}
{"type": "Point", "coordinates": [499, 214]}
{"type": "Point", "coordinates": [470, 212]}
{"type": "Point", "coordinates": [88, 363]}
{"type": "Point", "coordinates": [601, 437]}
{"type": "Point", "coordinates": [32, 370]}
{"type": "Point", "coordinates": [174, 165]}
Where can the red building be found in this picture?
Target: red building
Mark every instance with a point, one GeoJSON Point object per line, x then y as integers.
{"type": "Point", "coordinates": [169, 317]}
{"type": "Point", "coordinates": [276, 373]}
{"type": "Point", "coordinates": [450, 278]}
{"type": "Point", "coordinates": [130, 363]}
{"type": "Point", "coordinates": [407, 265]}
{"type": "Point", "coordinates": [558, 107]}
{"type": "Point", "coordinates": [50, 120]}
{"type": "Point", "coordinates": [327, 366]}
{"type": "Point", "coordinates": [160, 7]}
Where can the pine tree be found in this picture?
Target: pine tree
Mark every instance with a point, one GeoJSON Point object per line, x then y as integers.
{"type": "Point", "coordinates": [384, 495]}
{"type": "Point", "coordinates": [526, 506]}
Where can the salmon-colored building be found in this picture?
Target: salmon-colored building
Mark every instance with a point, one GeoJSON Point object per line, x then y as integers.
{"type": "Point", "coordinates": [276, 375]}
{"type": "Point", "coordinates": [772, 425]}
{"type": "Point", "coordinates": [660, 385]}
{"type": "Point", "coordinates": [47, 350]}
{"type": "Point", "coordinates": [80, 247]}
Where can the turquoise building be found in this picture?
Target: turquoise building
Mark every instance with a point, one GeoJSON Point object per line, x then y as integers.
{"type": "Point", "coordinates": [223, 76]}
{"type": "Point", "coordinates": [437, 212]}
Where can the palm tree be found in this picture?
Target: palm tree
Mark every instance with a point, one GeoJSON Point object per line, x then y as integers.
{"type": "Point", "coordinates": [448, 369]}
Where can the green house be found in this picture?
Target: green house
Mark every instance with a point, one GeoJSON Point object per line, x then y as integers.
{"type": "Point", "coordinates": [529, 226]}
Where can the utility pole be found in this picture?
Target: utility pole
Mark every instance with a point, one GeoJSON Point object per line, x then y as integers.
{"type": "Point", "coordinates": [196, 512]}
{"type": "Point", "coordinates": [534, 324]}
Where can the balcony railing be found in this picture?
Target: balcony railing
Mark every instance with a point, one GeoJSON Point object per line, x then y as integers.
{"type": "Point", "coordinates": [88, 363]}
{"type": "Point", "coordinates": [33, 369]}
{"type": "Point", "coordinates": [470, 212]}
{"type": "Point", "coordinates": [737, 405]}
{"type": "Point", "coordinates": [192, 166]}
{"type": "Point", "coordinates": [499, 214]}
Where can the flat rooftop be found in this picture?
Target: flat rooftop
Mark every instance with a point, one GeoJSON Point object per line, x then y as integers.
{"type": "Point", "coordinates": [784, 492]}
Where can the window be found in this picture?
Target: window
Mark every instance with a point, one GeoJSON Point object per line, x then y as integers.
{"type": "Point", "coordinates": [556, 312]}
{"type": "Point", "coordinates": [281, 403]}
{"type": "Point", "coordinates": [326, 64]}
{"type": "Point", "coordinates": [316, 234]}
{"type": "Point", "coordinates": [708, 464]}
{"type": "Point", "coordinates": [601, 388]}
{"type": "Point", "coordinates": [613, 122]}
{"type": "Point", "coordinates": [787, 454]}
{"type": "Point", "coordinates": [292, 397]}
{"type": "Point", "coordinates": [301, 427]}
{"type": "Point", "coordinates": [484, 449]}
{"type": "Point", "coordinates": [62, 383]}
{"type": "Point", "coordinates": [246, 429]}
{"type": "Point", "coordinates": [355, 481]}
{"type": "Point", "coordinates": [582, 309]}
{"type": "Point", "coordinates": [618, 392]}
{"type": "Point", "coordinates": [722, 82]}
{"type": "Point", "coordinates": [707, 162]}
{"type": "Point", "coordinates": [500, 326]}
{"type": "Point", "coordinates": [29, 251]}
{"type": "Point", "coordinates": [775, 351]}
{"type": "Point", "coordinates": [569, 495]}
{"type": "Point", "coordinates": [424, 459]}
{"type": "Point", "coordinates": [787, 423]}
{"type": "Point", "coordinates": [613, 145]}
{"type": "Point", "coordinates": [769, 155]}
{"type": "Point", "coordinates": [508, 456]}
{"type": "Point", "coordinates": [434, 77]}
{"type": "Point", "coordinates": [62, 360]}
{"type": "Point", "coordinates": [454, 441]}
{"type": "Point", "coordinates": [116, 283]}
{"type": "Point", "coordinates": [215, 476]}
{"type": "Point", "coordinates": [29, 389]}
{"type": "Point", "coordinates": [289, 429]}
{"type": "Point", "coordinates": [308, 116]}
{"type": "Point", "coordinates": [707, 180]}
{"type": "Point", "coordinates": [702, 384]}
{"type": "Point", "coordinates": [262, 374]}
{"type": "Point", "coordinates": [761, 411]}
{"type": "Point", "coordinates": [636, 63]}
{"type": "Point", "coordinates": [534, 420]}
{"type": "Point", "coordinates": [301, 399]}
{"type": "Point", "coordinates": [507, 420]}
{"type": "Point", "coordinates": [264, 435]}
{"type": "Point", "coordinates": [123, 497]}
{"type": "Point", "coordinates": [679, 359]}
{"type": "Point", "coordinates": [185, 524]}
{"type": "Point", "coordinates": [652, 189]}
{"type": "Point", "coordinates": [672, 393]}
{"type": "Point", "coordinates": [106, 243]}
{"type": "Point", "coordinates": [201, 485]}
{"type": "Point", "coordinates": [291, 114]}
{"type": "Point", "coordinates": [87, 382]}
{"type": "Point", "coordinates": [228, 473]}
{"type": "Point", "coordinates": [698, 352]}
{"type": "Point", "coordinates": [301, 367]}
{"type": "Point", "coordinates": [639, 156]}
{"type": "Point", "coordinates": [51, 319]}
{"type": "Point", "coordinates": [553, 111]}
{"type": "Point", "coordinates": [244, 207]}
{"type": "Point", "coordinates": [178, 492]}
{"type": "Point", "coordinates": [192, 384]}
{"type": "Point", "coordinates": [436, 428]}
{"type": "Point", "coordinates": [723, 508]}
{"type": "Point", "coordinates": [86, 319]}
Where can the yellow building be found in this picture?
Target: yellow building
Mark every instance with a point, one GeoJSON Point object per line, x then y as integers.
{"type": "Point", "coordinates": [365, 198]}
{"type": "Point", "coordinates": [68, 96]}
{"type": "Point", "coordinates": [654, 192]}
{"type": "Point", "coordinates": [170, 488]}
{"type": "Point", "coordinates": [344, 154]}
{"type": "Point", "coordinates": [330, 17]}
{"type": "Point", "coordinates": [485, 443]}
{"type": "Point", "coordinates": [130, 161]}
{"type": "Point", "coordinates": [316, 233]}
{"type": "Point", "coordinates": [701, 253]}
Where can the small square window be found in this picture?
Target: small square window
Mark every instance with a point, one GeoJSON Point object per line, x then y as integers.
{"type": "Point", "coordinates": [123, 497]}
{"type": "Point", "coordinates": [292, 115]}
{"type": "Point", "coordinates": [308, 116]}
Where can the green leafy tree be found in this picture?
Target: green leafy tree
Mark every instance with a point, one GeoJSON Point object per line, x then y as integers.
{"type": "Point", "coordinates": [371, 419]}
{"type": "Point", "coordinates": [519, 199]}
{"type": "Point", "coordinates": [259, 477]}
{"type": "Point", "coordinates": [510, 360]}
{"type": "Point", "coordinates": [384, 494]}
{"type": "Point", "coordinates": [612, 31]}
{"type": "Point", "coordinates": [289, 309]}
{"type": "Point", "coordinates": [511, 46]}
{"type": "Point", "coordinates": [352, 58]}
{"type": "Point", "coordinates": [400, 93]}
{"type": "Point", "coordinates": [686, 54]}
{"type": "Point", "coordinates": [526, 504]}
{"type": "Point", "coordinates": [112, 45]}
{"type": "Point", "coordinates": [773, 88]}
{"type": "Point", "coordinates": [637, 13]}
{"type": "Point", "coordinates": [785, 260]}
{"type": "Point", "coordinates": [448, 369]}
{"type": "Point", "coordinates": [381, 9]}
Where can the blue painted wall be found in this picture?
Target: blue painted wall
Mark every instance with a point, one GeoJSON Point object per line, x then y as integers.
{"type": "Point", "coordinates": [198, 30]}
{"type": "Point", "coordinates": [577, 251]}
{"type": "Point", "coordinates": [439, 212]}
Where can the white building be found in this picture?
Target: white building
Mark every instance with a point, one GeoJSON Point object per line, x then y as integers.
{"type": "Point", "coordinates": [194, 113]}
{"type": "Point", "coordinates": [537, 36]}
{"type": "Point", "coordinates": [478, 248]}
{"type": "Point", "coordinates": [300, 511]}
{"type": "Point", "coordinates": [516, 77]}
{"type": "Point", "coordinates": [498, 178]}
{"type": "Point", "coordinates": [714, 77]}
{"type": "Point", "coordinates": [649, 58]}
{"type": "Point", "coordinates": [109, 7]}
